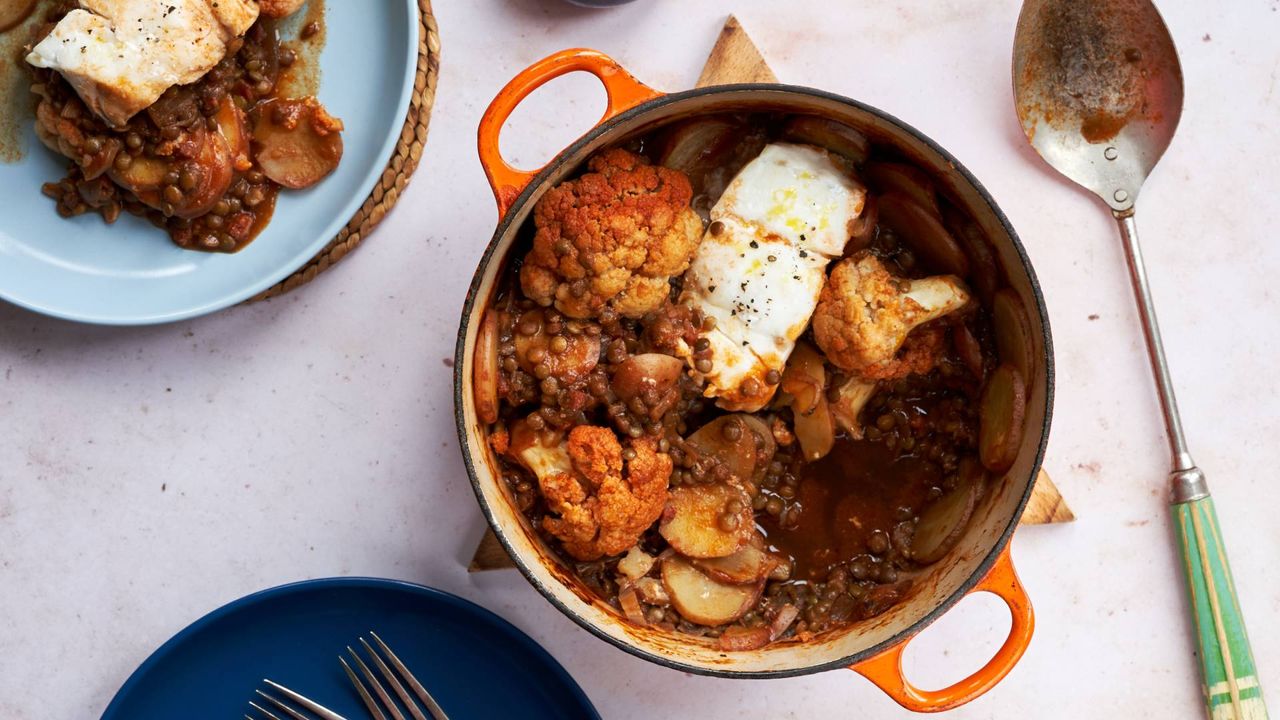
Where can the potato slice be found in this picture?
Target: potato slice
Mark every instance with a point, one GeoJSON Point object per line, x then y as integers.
{"type": "Point", "coordinates": [692, 521]}
{"type": "Point", "coordinates": [210, 164]}
{"type": "Point", "coordinates": [923, 232]}
{"type": "Point", "coordinates": [145, 174]}
{"type": "Point", "coordinates": [299, 143]}
{"type": "Point", "coordinates": [701, 599]}
{"type": "Point", "coordinates": [580, 356]}
{"type": "Point", "coordinates": [738, 454]}
{"type": "Point", "coordinates": [213, 170]}
{"type": "Point", "coordinates": [1013, 332]}
{"type": "Point", "coordinates": [649, 370]}
{"type": "Point", "coordinates": [1003, 409]}
{"type": "Point", "coordinates": [748, 565]}
{"type": "Point", "coordinates": [739, 639]}
{"type": "Point", "coordinates": [943, 523]}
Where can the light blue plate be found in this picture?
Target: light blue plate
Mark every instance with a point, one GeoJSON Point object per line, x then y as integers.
{"type": "Point", "coordinates": [130, 273]}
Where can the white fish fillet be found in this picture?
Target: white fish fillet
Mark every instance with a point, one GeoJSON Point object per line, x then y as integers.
{"type": "Point", "coordinates": [121, 55]}
{"type": "Point", "coordinates": [780, 221]}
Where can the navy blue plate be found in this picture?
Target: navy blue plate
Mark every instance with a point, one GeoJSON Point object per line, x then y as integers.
{"type": "Point", "coordinates": [475, 664]}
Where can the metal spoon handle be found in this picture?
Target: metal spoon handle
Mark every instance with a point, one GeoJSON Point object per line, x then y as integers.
{"type": "Point", "coordinates": [1155, 347]}
{"type": "Point", "coordinates": [1231, 686]}
{"type": "Point", "coordinates": [1230, 679]}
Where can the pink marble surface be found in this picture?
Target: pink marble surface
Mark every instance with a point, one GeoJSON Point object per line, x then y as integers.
{"type": "Point", "coordinates": [150, 475]}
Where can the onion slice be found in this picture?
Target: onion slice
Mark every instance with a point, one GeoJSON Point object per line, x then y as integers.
{"type": "Point", "coordinates": [805, 379]}
{"type": "Point", "coordinates": [484, 374]}
{"type": "Point", "coordinates": [782, 621]}
{"type": "Point", "coordinates": [907, 179]}
{"type": "Point", "coordinates": [924, 233]}
{"type": "Point", "coordinates": [631, 605]}
{"type": "Point", "coordinates": [1013, 333]}
{"type": "Point", "coordinates": [968, 349]}
{"type": "Point", "coordinates": [826, 133]}
{"type": "Point", "coordinates": [1003, 409]}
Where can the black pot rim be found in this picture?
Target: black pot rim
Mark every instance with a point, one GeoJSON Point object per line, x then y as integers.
{"type": "Point", "coordinates": [460, 382]}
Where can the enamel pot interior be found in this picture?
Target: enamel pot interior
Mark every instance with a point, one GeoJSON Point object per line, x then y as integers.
{"type": "Point", "coordinates": [942, 584]}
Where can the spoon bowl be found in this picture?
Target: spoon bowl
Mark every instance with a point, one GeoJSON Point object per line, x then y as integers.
{"type": "Point", "coordinates": [1098, 90]}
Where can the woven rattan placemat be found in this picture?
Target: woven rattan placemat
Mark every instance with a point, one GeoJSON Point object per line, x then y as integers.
{"type": "Point", "coordinates": [413, 135]}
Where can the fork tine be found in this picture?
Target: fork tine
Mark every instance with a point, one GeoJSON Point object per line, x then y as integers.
{"type": "Point", "coordinates": [315, 707]}
{"type": "Point", "coordinates": [369, 702]}
{"type": "Point", "coordinates": [283, 707]}
{"type": "Point", "coordinates": [432, 706]}
{"type": "Point", "coordinates": [396, 687]}
{"type": "Point", "coordinates": [377, 686]}
{"type": "Point", "coordinates": [262, 710]}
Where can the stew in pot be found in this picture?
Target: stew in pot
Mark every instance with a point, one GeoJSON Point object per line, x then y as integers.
{"type": "Point", "coordinates": [749, 374]}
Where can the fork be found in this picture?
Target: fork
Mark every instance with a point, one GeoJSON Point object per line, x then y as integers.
{"type": "Point", "coordinates": [392, 680]}
{"type": "Point", "coordinates": [321, 711]}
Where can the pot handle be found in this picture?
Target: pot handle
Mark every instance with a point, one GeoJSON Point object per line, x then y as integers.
{"type": "Point", "coordinates": [621, 88]}
{"type": "Point", "coordinates": [885, 669]}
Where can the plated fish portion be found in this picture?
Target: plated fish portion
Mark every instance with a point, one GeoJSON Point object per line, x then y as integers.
{"type": "Point", "coordinates": [122, 55]}
{"type": "Point", "coordinates": [175, 111]}
{"type": "Point", "coordinates": [762, 264]}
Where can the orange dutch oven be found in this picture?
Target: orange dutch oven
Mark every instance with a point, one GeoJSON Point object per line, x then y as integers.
{"type": "Point", "coordinates": [873, 648]}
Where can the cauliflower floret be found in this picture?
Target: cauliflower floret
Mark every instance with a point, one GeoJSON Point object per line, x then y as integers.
{"type": "Point", "coordinates": [865, 317]}
{"type": "Point", "coordinates": [614, 236]}
{"type": "Point", "coordinates": [600, 505]}
{"type": "Point", "coordinates": [280, 8]}
{"type": "Point", "coordinates": [848, 399]}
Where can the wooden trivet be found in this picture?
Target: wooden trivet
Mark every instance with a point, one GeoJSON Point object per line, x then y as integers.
{"type": "Point", "coordinates": [404, 160]}
{"type": "Point", "coordinates": [735, 58]}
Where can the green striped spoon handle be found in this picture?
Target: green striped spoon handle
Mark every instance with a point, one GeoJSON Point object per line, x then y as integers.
{"type": "Point", "coordinates": [1231, 686]}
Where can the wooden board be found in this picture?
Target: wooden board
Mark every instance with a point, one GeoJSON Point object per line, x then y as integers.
{"type": "Point", "coordinates": [735, 59]}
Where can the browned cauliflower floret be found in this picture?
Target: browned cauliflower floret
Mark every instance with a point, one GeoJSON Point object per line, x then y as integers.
{"type": "Point", "coordinates": [614, 236]}
{"type": "Point", "coordinates": [865, 316]}
{"type": "Point", "coordinates": [600, 505]}
{"type": "Point", "coordinates": [280, 8]}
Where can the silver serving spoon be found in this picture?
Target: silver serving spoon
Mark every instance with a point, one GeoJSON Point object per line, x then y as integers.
{"type": "Point", "coordinates": [1098, 89]}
